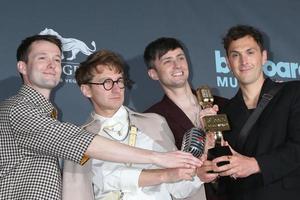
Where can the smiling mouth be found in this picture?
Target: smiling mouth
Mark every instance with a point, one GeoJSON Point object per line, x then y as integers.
{"type": "Point", "coordinates": [115, 97]}
{"type": "Point", "coordinates": [245, 69]}
{"type": "Point", "coordinates": [50, 74]}
{"type": "Point", "coordinates": [177, 74]}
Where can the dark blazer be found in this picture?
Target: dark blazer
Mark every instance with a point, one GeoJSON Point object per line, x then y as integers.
{"type": "Point", "coordinates": [274, 141]}
{"type": "Point", "coordinates": [179, 124]}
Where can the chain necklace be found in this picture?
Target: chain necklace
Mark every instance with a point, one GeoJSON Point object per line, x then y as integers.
{"type": "Point", "coordinates": [194, 113]}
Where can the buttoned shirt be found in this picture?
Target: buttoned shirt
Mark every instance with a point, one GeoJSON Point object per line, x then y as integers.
{"type": "Point", "coordinates": [31, 143]}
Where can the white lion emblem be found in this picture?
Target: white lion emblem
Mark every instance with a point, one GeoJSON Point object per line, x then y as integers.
{"type": "Point", "coordinates": [71, 44]}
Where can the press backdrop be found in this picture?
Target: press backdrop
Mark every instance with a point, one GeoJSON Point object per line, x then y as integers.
{"type": "Point", "coordinates": [127, 26]}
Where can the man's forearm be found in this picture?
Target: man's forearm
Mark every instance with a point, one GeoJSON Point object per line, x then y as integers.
{"type": "Point", "coordinates": [151, 177]}
{"type": "Point", "coordinates": [104, 149]}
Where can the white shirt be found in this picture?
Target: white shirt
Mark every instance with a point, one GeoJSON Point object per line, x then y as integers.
{"type": "Point", "coordinates": [114, 177]}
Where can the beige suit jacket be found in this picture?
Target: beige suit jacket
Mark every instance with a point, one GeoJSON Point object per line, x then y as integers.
{"type": "Point", "coordinates": [77, 180]}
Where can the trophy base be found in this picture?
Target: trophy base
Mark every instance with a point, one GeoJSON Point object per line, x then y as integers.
{"type": "Point", "coordinates": [216, 152]}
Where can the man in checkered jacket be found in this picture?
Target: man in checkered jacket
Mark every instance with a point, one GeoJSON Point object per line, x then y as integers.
{"type": "Point", "coordinates": [31, 140]}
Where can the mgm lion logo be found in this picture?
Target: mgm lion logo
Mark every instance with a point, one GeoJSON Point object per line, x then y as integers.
{"type": "Point", "coordinates": [71, 44]}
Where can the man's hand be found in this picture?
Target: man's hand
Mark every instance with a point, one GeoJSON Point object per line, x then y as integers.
{"type": "Point", "coordinates": [239, 166]}
{"type": "Point", "coordinates": [176, 159]}
{"type": "Point", "coordinates": [202, 172]}
{"type": "Point", "coordinates": [209, 141]}
{"type": "Point", "coordinates": [151, 177]}
{"type": "Point", "coordinates": [178, 174]}
{"type": "Point", "coordinates": [207, 112]}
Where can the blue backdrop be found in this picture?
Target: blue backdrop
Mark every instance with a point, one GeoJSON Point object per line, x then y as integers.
{"type": "Point", "coordinates": [126, 27]}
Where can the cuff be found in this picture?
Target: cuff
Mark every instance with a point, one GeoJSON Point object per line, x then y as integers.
{"type": "Point", "coordinates": [130, 179]}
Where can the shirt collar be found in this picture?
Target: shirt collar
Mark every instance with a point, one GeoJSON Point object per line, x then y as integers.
{"type": "Point", "coordinates": [36, 98]}
{"type": "Point", "coordinates": [117, 125]}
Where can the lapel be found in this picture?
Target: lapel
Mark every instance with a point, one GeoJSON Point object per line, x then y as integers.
{"type": "Point", "coordinates": [150, 124]}
{"type": "Point", "coordinates": [238, 114]}
{"type": "Point", "coordinates": [173, 111]}
{"type": "Point", "coordinates": [92, 125]}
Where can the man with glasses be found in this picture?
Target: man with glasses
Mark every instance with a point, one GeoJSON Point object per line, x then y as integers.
{"type": "Point", "coordinates": [108, 84]}
{"type": "Point", "coordinates": [32, 139]}
{"type": "Point", "coordinates": [102, 80]}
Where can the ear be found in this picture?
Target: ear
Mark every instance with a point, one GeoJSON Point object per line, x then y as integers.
{"type": "Point", "coordinates": [264, 57]}
{"type": "Point", "coordinates": [153, 74]}
{"type": "Point", "coordinates": [22, 67]}
{"type": "Point", "coordinates": [86, 90]}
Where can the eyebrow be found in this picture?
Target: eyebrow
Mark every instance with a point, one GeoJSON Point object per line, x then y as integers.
{"type": "Point", "coordinates": [44, 53]}
{"type": "Point", "coordinates": [236, 51]}
{"type": "Point", "coordinates": [104, 78]}
{"type": "Point", "coordinates": [178, 55]}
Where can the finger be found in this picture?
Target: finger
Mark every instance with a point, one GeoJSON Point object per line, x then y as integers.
{"type": "Point", "coordinates": [222, 168]}
{"type": "Point", "coordinates": [221, 159]}
{"type": "Point", "coordinates": [188, 170]}
{"type": "Point", "coordinates": [203, 157]}
{"type": "Point", "coordinates": [231, 149]}
{"type": "Point", "coordinates": [227, 173]}
{"type": "Point", "coordinates": [189, 166]}
{"type": "Point", "coordinates": [188, 160]}
{"type": "Point", "coordinates": [208, 177]}
{"type": "Point", "coordinates": [212, 176]}
{"type": "Point", "coordinates": [207, 111]}
{"type": "Point", "coordinates": [216, 107]}
{"type": "Point", "coordinates": [207, 164]}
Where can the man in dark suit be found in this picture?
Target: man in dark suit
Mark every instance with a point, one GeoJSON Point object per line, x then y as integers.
{"type": "Point", "coordinates": [167, 63]}
{"type": "Point", "coordinates": [267, 164]}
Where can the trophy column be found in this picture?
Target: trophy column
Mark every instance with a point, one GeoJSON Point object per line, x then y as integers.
{"type": "Point", "coordinates": [215, 124]}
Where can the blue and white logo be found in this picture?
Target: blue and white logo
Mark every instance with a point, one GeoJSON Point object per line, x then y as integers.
{"type": "Point", "coordinates": [70, 49]}
{"type": "Point", "coordinates": [281, 70]}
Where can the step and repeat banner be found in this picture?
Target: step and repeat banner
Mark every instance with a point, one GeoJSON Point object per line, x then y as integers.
{"type": "Point", "coordinates": [127, 26]}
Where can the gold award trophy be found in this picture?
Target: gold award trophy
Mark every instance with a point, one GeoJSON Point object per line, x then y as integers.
{"type": "Point", "coordinates": [215, 124]}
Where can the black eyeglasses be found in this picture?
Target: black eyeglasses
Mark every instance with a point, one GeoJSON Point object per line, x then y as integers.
{"type": "Point", "coordinates": [108, 84]}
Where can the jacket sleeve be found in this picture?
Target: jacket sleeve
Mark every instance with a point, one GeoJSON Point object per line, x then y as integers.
{"type": "Point", "coordinates": [77, 181]}
{"type": "Point", "coordinates": [284, 159]}
{"type": "Point", "coordinates": [184, 189]}
{"type": "Point", "coordinates": [111, 176]}
{"type": "Point", "coordinates": [37, 133]}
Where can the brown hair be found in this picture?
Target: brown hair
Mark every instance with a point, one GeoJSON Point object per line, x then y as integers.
{"type": "Point", "coordinates": [239, 31]}
{"type": "Point", "coordinates": [87, 69]}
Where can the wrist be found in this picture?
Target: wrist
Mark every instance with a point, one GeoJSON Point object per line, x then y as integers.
{"type": "Point", "coordinates": [256, 168]}
{"type": "Point", "coordinates": [154, 157]}
{"type": "Point", "coordinates": [162, 176]}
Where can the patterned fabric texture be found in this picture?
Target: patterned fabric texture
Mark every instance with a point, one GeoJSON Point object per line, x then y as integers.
{"type": "Point", "coordinates": [31, 143]}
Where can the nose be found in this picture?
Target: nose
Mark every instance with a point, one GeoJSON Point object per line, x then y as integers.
{"type": "Point", "coordinates": [176, 63]}
{"type": "Point", "coordinates": [51, 63]}
{"type": "Point", "coordinates": [244, 59]}
{"type": "Point", "coordinates": [115, 88]}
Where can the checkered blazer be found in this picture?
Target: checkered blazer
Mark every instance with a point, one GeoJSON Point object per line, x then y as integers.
{"type": "Point", "coordinates": [31, 143]}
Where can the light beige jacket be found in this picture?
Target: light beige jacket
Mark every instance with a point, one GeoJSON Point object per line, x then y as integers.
{"type": "Point", "coordinates": [77, 180]}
